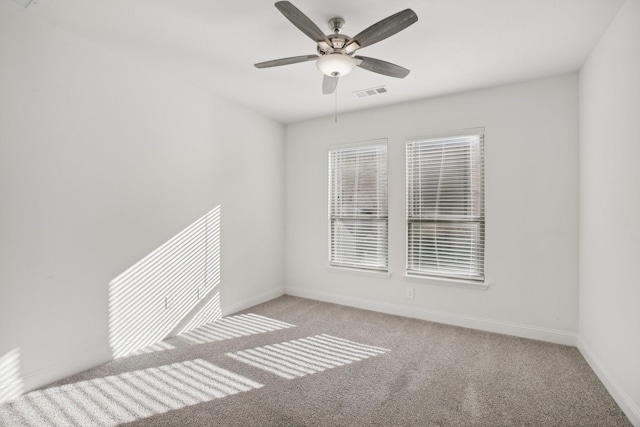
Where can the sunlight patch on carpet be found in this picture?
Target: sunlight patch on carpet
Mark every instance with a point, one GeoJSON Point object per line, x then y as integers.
{"type": "Point", "coordinates": [113, 400]}
{"type": "Point", "coordinates": [297, 358]}
{"type": "Point", "coordinates": [233, 327]}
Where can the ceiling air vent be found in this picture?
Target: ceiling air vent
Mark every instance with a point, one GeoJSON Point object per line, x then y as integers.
{"type": "Point", "coordinates": [370, 92]}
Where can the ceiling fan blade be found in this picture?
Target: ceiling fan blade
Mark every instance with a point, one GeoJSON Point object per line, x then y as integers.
{"type": "Point", "coordinates": [385, 28]}
{"type": "Point", "coordinates": [382, 67]}
{"type": "Point", "coordinates": [329, 84]}
{"type": "Point", "coordinates": [286, 61]}
{"type": "Point", "coordinates": [301, 21]}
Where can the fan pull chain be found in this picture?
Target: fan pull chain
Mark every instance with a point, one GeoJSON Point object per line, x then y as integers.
{"type": "Point", "coordinates": [336, 105]}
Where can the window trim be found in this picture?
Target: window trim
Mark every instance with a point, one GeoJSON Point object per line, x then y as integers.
{"type": "Point", "coordinates": [350, 267]}
{"type": "Point", "coordinates": [360, 271]}
{"type": "Point", "coordinates": [448, 279]}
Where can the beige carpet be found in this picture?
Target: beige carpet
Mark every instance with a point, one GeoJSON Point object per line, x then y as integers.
{"type": "Point", "coordinates": [298, 362]}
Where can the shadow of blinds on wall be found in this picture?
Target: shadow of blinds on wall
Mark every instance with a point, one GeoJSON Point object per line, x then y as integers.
{"type": "Point", "coordinates": [11, 383]}
{"type": "Point", "coordinates": [171, 290]}
{"type": "Point", "coordinates": [358, 207]}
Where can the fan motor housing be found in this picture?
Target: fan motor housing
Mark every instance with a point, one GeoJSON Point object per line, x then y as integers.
{"type": "Point", "coordinates": [338, 41]}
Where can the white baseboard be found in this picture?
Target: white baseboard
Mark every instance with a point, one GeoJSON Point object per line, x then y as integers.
{"type": "Point", "coordinates": [52, 373]}
{"type": "Point", "coordinates": [250, 302]}
{"type": "Point", "coordinates": [623, 400]}
{"type": "Point", "coordinates": [507, 328]}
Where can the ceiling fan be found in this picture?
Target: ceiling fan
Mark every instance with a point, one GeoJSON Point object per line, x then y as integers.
{"type": "Point", "coordinates": [335, 52]}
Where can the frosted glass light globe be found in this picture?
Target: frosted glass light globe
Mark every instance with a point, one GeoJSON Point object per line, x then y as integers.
{"type": "Point", "coordinates": [336, 64]}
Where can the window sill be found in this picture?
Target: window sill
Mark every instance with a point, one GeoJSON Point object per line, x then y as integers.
{"type": "Point", "coordinates": [374, 273]}
{"type": "Point", "coordinates": [443, 281]}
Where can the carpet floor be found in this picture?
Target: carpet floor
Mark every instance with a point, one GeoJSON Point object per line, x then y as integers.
{"type": "Point", "coordinates": [297, 362]}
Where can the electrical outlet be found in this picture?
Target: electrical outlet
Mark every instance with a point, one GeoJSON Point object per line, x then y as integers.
{"type": "Point", "coordinates": [409, 292]}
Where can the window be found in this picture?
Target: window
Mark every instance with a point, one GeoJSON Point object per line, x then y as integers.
{"type": "Point", "coordinates": [358, 207]}
{"type": "Point", "coordinates": [445, 206]}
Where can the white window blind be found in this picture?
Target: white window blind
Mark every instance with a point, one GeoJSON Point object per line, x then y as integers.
{"type": "Point", "coordinates": [358, 207]}
{"type": "Point", "coordinates": [445, 207]}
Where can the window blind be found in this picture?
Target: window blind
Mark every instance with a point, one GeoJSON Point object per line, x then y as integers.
{"type": "Point", "coordinates": [358, 207]}
{"type": "Point", "coordinates": [445, 207]}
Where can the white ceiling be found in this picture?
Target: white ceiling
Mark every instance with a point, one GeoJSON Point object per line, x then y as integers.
{"type": "Point", "coordinates": [456, 45]}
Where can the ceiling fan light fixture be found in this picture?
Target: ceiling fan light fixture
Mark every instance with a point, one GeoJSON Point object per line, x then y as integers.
{"type": "Point", "coordinates": [336, 64]}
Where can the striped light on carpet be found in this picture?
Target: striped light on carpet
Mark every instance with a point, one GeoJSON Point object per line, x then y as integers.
{"type": "Point", "coordinates": [233, 327]}
{"type": "Point", "coordinates": [117, 399]}
{"type": "Point", "coordinates": [306, 356]}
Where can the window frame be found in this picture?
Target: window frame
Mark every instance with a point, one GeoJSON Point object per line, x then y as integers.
{"type": "Point", "coordinates": [450, 278]}
{"type": "Point", "coordinates": [354, 267]}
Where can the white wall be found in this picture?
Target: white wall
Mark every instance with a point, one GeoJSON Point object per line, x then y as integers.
{"type": "Point", "coordinates": [610, 209]}
{"type": "Point", "coordinates": [102, 160]}
{"type": "Point", "coordinates": [531, 137]}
